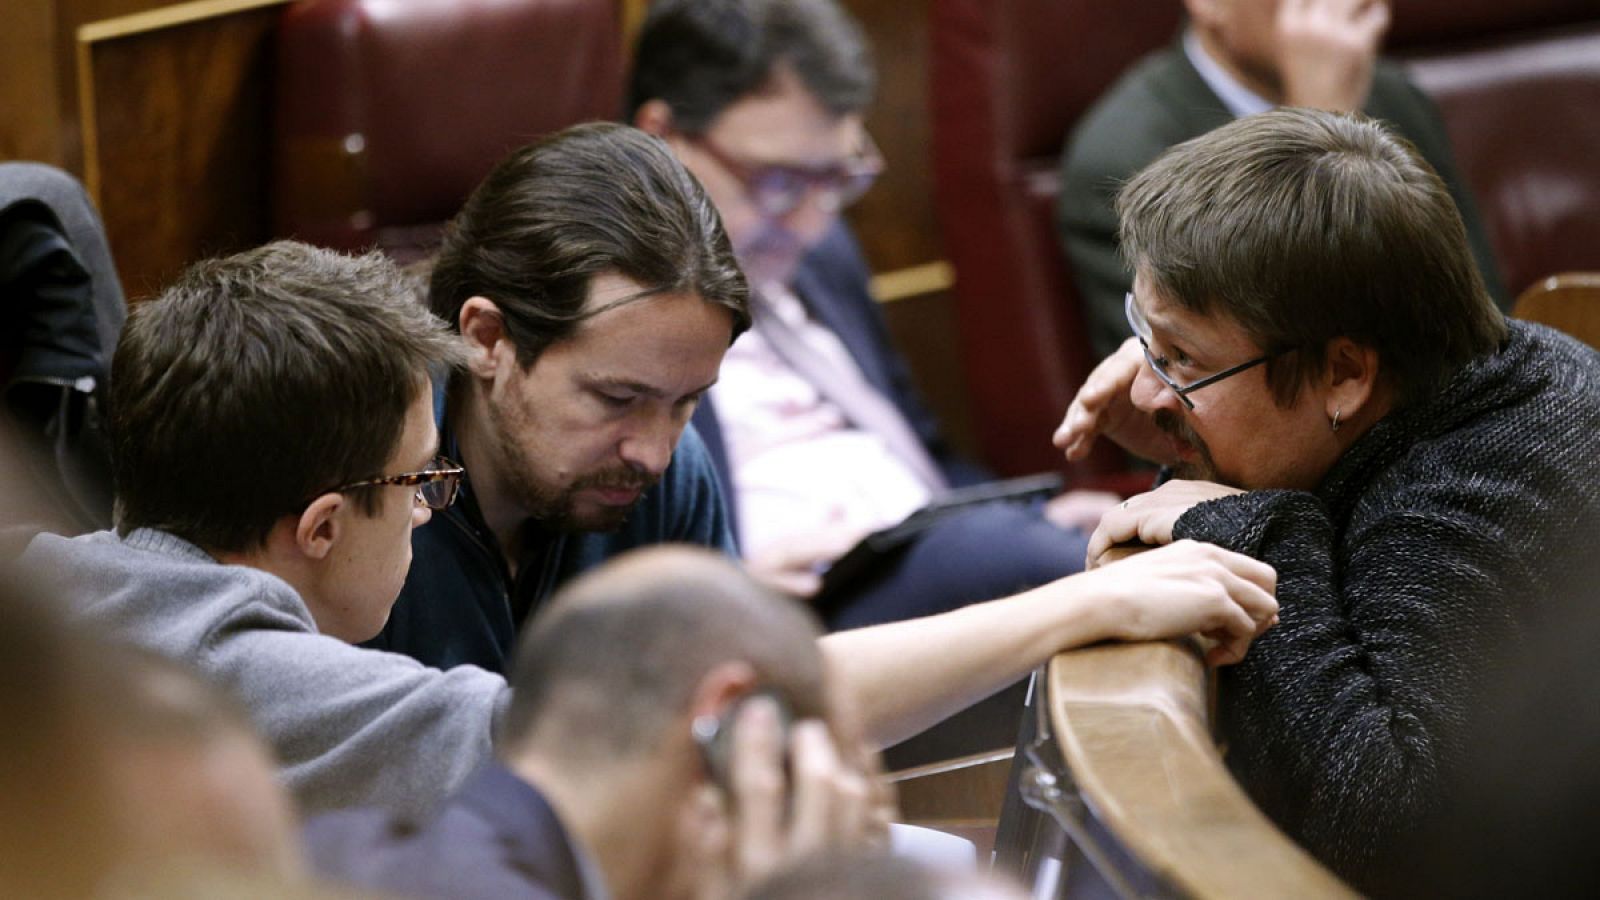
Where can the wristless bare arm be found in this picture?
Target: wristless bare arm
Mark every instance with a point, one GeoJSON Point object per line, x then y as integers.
{"type": "Point", "coordinates": [905, 676]}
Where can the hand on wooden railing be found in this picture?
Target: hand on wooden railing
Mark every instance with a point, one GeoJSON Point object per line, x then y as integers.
{"type": "Point", "coordinates": [1187, 588]}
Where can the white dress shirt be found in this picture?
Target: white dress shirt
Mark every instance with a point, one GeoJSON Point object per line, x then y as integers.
{"type": "Point", "coordinates": [1240, 100]}
{"type": "Point", "coordinates": [798, 464]}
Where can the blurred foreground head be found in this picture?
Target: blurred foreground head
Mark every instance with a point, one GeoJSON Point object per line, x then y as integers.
{"type": "Point", "coordinates": [117, 767]}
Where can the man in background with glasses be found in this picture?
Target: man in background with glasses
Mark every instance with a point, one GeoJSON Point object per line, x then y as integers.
{"type": "Point", "coordinates": [815, 423]}
{"type": "Point", "coordinates": [273, 446]}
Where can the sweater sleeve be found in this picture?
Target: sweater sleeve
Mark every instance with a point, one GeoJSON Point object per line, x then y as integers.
{"type": "Point", "coordinates": [1342, 720]}
{"type": "Point", "coordinates": [348, 726]}
{"type": "Point", "coordinates": [352, 726]}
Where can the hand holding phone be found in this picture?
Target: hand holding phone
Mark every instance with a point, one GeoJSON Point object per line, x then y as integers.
{"type": "Point", "coordinates": [714, 734]}
{"type": "Point", "coordinates": [785, 787]}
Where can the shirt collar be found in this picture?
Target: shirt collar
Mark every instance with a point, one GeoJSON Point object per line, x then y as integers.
{"type": "Point", "coordinates": [1240, 100]}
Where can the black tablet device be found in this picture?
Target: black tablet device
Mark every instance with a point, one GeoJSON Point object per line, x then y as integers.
{"type": "Point", "coordinates": [882, 546]}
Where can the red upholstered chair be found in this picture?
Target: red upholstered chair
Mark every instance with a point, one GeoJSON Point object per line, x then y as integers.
{"type": "Point", "coordinates": [1517, 83]}
{"type": "Point", "coordinates": [389, 112]}
{"type": "Point", "coordinates": [1519, 87]}
{"type": "Point", "coordinates": [1009, 77]}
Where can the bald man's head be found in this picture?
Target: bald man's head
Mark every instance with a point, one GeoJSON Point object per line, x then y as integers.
{"type": "Point", "coordinates": [615, 659]}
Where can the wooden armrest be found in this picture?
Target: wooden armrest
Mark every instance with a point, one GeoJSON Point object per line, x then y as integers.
{"type": "Point", "coordinates": [1131, 721]}
{"type": "Point", "coordinates": [1568, 302]}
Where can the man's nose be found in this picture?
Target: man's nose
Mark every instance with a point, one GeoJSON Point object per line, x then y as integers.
{"type": "Point", "coordinates": [1150, 393]}
{"type": "Point", "coordinates": [809, 221]}
{"type": "Point", "coordinates": [649, 446]}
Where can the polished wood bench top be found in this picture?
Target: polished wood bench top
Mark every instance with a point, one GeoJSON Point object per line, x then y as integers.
{"type": "Point", "coordinates": [1131, 720]}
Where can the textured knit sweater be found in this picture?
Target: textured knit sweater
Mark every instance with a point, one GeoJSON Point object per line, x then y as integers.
{"type": "Point", "coordinates": [349, 726]}
{"type": "Point", "coordinates": [1404, 578]}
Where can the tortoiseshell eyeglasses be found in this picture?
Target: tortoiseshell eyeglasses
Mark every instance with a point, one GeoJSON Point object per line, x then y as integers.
{"type": "Point", "coordinates": [436, 486]}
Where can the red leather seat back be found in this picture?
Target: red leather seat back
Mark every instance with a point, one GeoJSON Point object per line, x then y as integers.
{"type": "Point", "coordinates": [390, 112]}
{"type": "Point", "coordinates": [1518, 85]}
{"type": "Point", "coordinates": [1009, 77]}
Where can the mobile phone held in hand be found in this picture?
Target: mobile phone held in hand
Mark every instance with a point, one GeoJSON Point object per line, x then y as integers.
{"type": "Point", "coordinates": [714, 735]}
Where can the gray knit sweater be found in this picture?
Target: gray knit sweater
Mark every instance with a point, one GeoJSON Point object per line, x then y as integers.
{"type": "Point", "coordinates": [1404, 581]}
{"type": "Point", "coordinates": [350, 726]}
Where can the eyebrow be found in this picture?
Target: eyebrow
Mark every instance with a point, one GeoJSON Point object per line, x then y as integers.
{"type": "Point", "coordinates": [1176, 333]}
{"type": "Point", "coordinates": [640, 387]}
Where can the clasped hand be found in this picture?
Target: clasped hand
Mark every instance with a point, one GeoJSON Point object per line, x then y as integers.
{"type": "Point", "coordinates": [1148, 518]}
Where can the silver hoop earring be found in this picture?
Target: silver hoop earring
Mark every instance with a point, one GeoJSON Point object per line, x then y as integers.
{"type": "Point", "coordinates": [1335, 423]}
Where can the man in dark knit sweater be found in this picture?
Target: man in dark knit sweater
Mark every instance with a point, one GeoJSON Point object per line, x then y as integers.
{"type": "Point", "coordinates": [1318, 364]}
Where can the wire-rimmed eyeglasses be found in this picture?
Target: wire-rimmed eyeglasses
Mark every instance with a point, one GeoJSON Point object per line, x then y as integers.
{"type": "Point", "coordinates": [1158, 364]}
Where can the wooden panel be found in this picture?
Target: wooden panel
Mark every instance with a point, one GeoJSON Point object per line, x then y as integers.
{"type": "Point", "coordinates": [28, 82]}
{"type": "Point", "coordinates": [923, 327]}
{"type": "Point", "coordinates": [61, 116]}
{"type": "Point", "coordinates": [963, 792]}
{"type": "Point", "coordinates": [895, 219]}
{"type": "Point", "coordinates": [178, 123]}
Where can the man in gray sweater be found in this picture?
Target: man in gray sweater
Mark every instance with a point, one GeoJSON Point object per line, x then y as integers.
{"type": "Point", "coordinates": [274, 445]}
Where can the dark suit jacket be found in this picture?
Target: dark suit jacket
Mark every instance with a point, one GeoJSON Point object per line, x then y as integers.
{"type": "Point", "coordinates": [497, 838]}
{"type": "Point", "coordinates": [1163, 101]}
{"type": "Point", "coordinates": [832, 283]}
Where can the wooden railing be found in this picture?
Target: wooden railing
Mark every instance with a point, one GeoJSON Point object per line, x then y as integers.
{"type": "Point", "coordinates": [1130, 723]}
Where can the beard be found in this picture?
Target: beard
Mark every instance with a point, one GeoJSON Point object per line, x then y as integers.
{"type": "Point", "coordinates": [1202, 467]}
{"type": "Point", "coordinates": [556, 506]}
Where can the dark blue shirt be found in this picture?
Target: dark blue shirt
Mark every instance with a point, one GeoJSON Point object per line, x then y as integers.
{"type": "Point", "coordinates": [460, 603]}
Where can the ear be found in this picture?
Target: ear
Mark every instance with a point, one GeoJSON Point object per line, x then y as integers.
{"type": "Point", "coordinates": [1353, 372]}
{"type": "Point", "coordinates": [483, 327]}
{"type": "Point", "coordinates": [319, 528]}
{"type": "Point", "coordinates": [721, 687]}
{"type": "Point", "coordinates": [654, 117]}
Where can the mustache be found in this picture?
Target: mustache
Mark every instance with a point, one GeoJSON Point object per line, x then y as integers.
{"type": "Point", "coordinates": [620, 479]}
{"type": "Point", "coordinates": [1169, 422]}
{"type": "Point", "coordinates": [1204, 467]}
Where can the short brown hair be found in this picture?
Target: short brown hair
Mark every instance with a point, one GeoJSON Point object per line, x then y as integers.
{"type": "Point", "coordinates": [593, 199]}
{"type": "Point", "coordinates": [703, 56]}
{"type": "Point", "coordinates": [616, 657]}
{"type": "Point", "coordinates": [1304, 226]}
{"type": "Point", "coordinates": [257, 381]}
